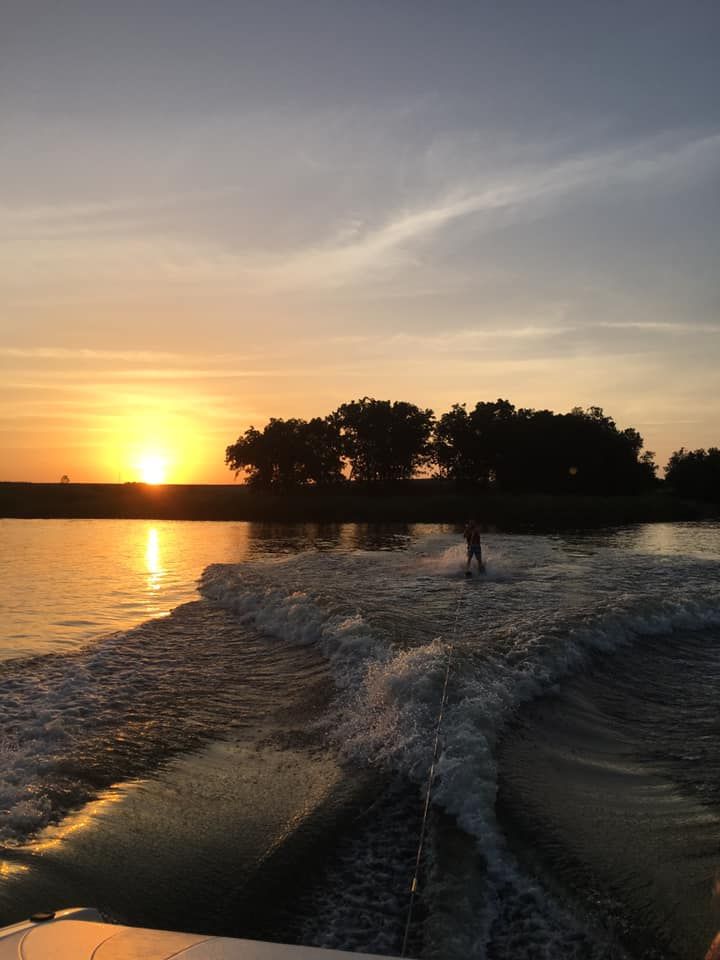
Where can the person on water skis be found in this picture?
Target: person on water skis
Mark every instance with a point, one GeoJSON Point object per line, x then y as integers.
{"type": "Point", "coordinates": [474, 547]}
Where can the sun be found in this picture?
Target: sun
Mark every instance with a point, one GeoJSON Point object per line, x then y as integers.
{"type": "Point", "coordinates": [152, 468]}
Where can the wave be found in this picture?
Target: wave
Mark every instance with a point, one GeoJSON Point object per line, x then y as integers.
{"type": "Point", "coordinates": [74, 724]}
{"type": "Point", "coordinates": [344, 638]}
{"type": "Point", "coordinates": [389, 695]}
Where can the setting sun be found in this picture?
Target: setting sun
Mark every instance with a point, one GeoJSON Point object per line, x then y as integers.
{"type": "Point", "coordinates": [152, 469]}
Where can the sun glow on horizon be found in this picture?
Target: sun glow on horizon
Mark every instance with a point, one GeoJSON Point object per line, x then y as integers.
{"type": "Point", "coordinates": [152, 468]}
{"type": "Point", "coordinates": [159, 447]}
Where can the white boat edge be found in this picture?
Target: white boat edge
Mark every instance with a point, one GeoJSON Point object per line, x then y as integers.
{"type": "Point", "coordinates": [79, 933]}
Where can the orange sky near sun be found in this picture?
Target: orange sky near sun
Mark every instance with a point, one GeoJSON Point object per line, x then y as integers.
{"type": "Point", "coordinates": [115, 416]}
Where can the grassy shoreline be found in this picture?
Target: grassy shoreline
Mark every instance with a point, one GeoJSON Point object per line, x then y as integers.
{"type": "Point", "coordinates": [416, 502]}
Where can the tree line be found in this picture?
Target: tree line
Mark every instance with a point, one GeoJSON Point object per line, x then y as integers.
{"type": "Point", "coordinates": [493, 445]}
{"type": "Point", "coordinates": [695, 473]}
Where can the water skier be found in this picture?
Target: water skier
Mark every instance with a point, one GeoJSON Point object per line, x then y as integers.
{"type": "Point", "coordinates": [474, 547]}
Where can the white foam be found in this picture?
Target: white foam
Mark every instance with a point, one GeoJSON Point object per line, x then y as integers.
{"type": "Point", "coordinates": [24, 808]}
{"type": "Point", "coordinates": [344, 638]}
{"type": "Point", "coordinates": [388, 707]}
{"type": "Point", "coordinates": [445, 557]}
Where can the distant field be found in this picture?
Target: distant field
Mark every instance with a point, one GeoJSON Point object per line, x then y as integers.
{"type": "Point", "coordinates": [416, 501]}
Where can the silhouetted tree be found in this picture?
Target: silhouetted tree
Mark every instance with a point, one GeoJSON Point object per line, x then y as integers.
{"type": "Point", "coordinates": [695, 473]}
{"type": "Point", "coordinates": [323, 449]}
{"type": "Point", "coordinates": [537, 450]}
{"type": "Point", "coordinates": [467, 446]}
{"type": "Point", "coordinates": [64, 478]}
{"type": "Point", "coordinates": [494, 444]}
{"type": "Point", "coordinates": [384, 440]}
{"type": "Point", "coordinates": [582, 452]}
{"type": "Point", "coordinates": [288, 453]}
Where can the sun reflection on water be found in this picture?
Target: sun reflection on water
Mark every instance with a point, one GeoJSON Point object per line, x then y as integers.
{"type": "Point", "coordinates": [10, 869]}
{"type": "Point", "coordinates": [153, 562]}
{"type": "Point", "coordinates": [80, 821]}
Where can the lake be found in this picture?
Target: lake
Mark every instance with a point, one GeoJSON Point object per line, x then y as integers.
{"type": "Point", "coordinates": [228, 727]}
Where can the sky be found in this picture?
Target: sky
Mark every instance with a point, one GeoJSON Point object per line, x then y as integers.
{"type": "Point", "coordinates": [216, 213]}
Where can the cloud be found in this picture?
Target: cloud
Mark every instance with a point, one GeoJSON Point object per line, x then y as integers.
{"type": "Point", "coordinates": [448, 340]}
{"type": "Point", "coordinates": [86, 353]}
{"type": "Point", "coordinates": [660, 326]}
{"type": "Point", "coordinates": [104, 216]}
{"type": "Point", "coordinates": [360, 238]}
{"type": "Point", "coordinates": [360, 252]}
{"type": "Point", "coordinates": [102, 377]}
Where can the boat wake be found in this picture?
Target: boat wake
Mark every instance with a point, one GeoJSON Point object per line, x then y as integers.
{"type": "Point", "coordinates": [368, 636]}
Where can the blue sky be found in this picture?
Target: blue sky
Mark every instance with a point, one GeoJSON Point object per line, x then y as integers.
{"type": "Point", "coordinates": [216, 213]}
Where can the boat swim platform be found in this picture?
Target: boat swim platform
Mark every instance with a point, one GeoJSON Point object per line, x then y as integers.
{"type": "Point", "coordinates": [80, 933]}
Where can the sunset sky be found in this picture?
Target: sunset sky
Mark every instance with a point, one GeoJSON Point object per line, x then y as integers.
{"type": "Point", "coordinates": [217, 212]}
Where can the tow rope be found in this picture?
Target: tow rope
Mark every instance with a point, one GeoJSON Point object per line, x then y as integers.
{"type": "Point", "coordinates": [431, 774]}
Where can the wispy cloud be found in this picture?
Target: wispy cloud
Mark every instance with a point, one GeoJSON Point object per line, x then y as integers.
{"type": "Point", "coordinates": [86, 353]}
{"type": "Point", "coordinates": [106, 216]}
{"type": "Point", "coordinates": [360, 252]}
{"type": "Point", "coordinates": [105, 380]}
{"type": "Point", "coordinates": [458, 339]}
{"type": "Point", "coordinates": [360, 246]}
{"type": "Point", "coordinates": [86, 366]}
{"type": "Point", "coordinates": [660, 326]}
{"type": "Point", "coordinates": [105, 376]}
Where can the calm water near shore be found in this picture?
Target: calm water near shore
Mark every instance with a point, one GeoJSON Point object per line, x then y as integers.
{"type": "Point", "coordinates": [226, 727]}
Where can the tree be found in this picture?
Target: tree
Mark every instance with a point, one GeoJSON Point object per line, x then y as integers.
{"type": "Point", "coordinates": [577, 452]}
{"type": "Point", "coordinates": [288, 453]}
{"type": "Point", "coordinates": [525, 450]}
{"type": "Point", "coordinates": [384, 440]}
{"type": "Point", "coordinates": [695, 473]}
{"type": "Point", "coordinates": [494, 445]}
{"type": "Point", "coordinates": [467, 446]}
{"type": "Point", "coordinates": [64, 478]}
{"type": "Point", "coordinates": [322, 451]}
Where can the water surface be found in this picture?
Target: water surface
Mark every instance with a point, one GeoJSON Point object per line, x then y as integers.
{"type": "Point", "coordinates": [287, 701]}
